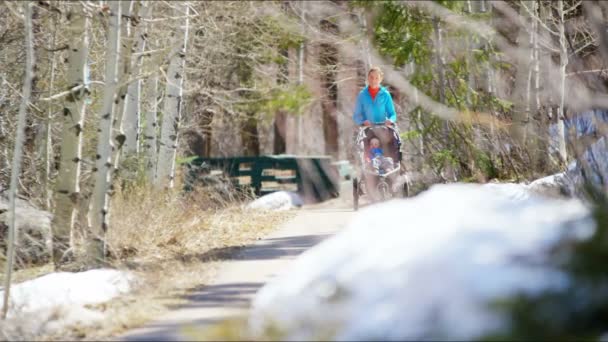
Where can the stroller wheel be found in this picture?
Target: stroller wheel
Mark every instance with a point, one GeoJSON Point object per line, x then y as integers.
{"type": "Point", "coordinates": [406, 190]}
{"type": "Point", "coordinates": [355, 193]}
{"type": "Point", "coordinates": [384, 191]}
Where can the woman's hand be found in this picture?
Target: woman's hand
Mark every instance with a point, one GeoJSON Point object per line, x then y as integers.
{"type": "Point", "coordinates": [367, 123]}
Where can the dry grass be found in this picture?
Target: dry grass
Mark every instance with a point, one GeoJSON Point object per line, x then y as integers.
{"type": "Point", "coordinates": [173, 242]}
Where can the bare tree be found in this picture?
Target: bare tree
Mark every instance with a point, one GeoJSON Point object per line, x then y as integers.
{"type": "Point", "coordinates": [67, 190]}
{"type": "Point", "coordinates": [131, 117]}
{"type": "Point", "coordinates": [172, 104]}
{"type": "Point", "coordinates": [523, 75]}
{"type": "Point", "coordinates": [16, 167]}
{"type": "Point", "coordinates": [150, 122]}
{"type": "Point", "coordinates": [128, 9]}
{"type": "Point", "coordinates": [563, 62]}
{"type": "Point", "coordinates": [99, 211]}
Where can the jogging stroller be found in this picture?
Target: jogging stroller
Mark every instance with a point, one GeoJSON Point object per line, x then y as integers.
{"type": "Point", "coordinates": [380, 181]}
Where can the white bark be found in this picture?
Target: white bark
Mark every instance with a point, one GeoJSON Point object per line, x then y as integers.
{"type": "Point", "coordinates": [301, 51]}
{"type": "Point", "coordinates": [67, 188]}
{"type": "Point", "coordinates": [151, 126]}
{"type": "Point", "coordinates": [16, 167]}
{"type": "Point", "coordinates": [124, 72]}
{"type": "Point", "coordinates": [419, 126]}
{"type": "Point", "coordinates": [366, 43]}
{"type": "Point", "coordinates": [151, 119]}
{"type": "Point", "coordinates": [536, 68]}
{"type": "Point", "coordinates": [99, 214]}
{"type": "Point", "coordinates": [523, 77]}
{"type": "Point", "coordinates": [563, 61]}
{"type": "Point", "coordinates": [172, 104]}
{"type": "Point", "coordinates": [131, 117]}
{"type": "Point", "coordinates": [449, 173]}
{"type": "Point", "coordinates": [47, 150]}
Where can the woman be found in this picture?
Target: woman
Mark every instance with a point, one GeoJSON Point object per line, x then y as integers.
{"type": "Point", "coordinates": [374, 103]}
{"type": "Point", "coordinates": [375, 107]}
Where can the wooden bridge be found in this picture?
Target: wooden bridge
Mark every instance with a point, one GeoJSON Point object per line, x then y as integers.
{"type": "Point", "coordinates": [313, 177]}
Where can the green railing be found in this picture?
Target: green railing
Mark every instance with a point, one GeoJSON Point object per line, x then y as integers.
{"type": "Point", "coordinates": [314, 177]}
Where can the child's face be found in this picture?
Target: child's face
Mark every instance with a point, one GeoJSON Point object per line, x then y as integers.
{"type": "Point", "coordinates": [375, 143]}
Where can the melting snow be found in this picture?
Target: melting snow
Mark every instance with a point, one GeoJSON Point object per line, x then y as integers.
{"type": "Point", "coordinates": [279, 200]}
{"type": "Point", "coordinates": [58, 299]}
{"type": "Point", "coordinates": [425, 267]}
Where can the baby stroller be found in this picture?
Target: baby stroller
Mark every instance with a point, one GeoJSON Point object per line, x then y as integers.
{"type": "Point", "coordinates": [377, 182]}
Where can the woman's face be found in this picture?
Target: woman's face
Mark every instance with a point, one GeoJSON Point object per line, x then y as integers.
{"type": "Point", "coordinates": [374, 79]}
{"type": "Point", "coordinates": [375, 143]}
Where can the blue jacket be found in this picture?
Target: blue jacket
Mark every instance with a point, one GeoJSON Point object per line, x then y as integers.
{"type": "Point", "coordinates": [377, 110]}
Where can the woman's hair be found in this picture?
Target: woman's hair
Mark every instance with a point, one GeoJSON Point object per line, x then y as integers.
{"type": "Point", "coordinates": [376, 69]}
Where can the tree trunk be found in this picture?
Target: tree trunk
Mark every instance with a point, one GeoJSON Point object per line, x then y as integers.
{"type": "Point", "coordinates": [280, 119]}
{"type": "Point", "coordinates": [99, 212]}
{"type": "Point", "coordinates": [47, 148]}
{"type": "Point", "coordinates": [540, 129]}
{"type": "Point", "coordinates": [563, 61]}
{"type": "Point", "coordinates": [16, 169]}
{"type": "Point", "coordinates": [449, 173]}
{"type": "Point", "coordinates": [172, 105]}
{"type": "Point", "coordinates": [67, 191]}
{"type": "Point", "coordinates": [250, 135]}
{"type": "Point", "coordinates": [150, 123]}
{"type": "Point", "coordinates": [131, 117]}
{"type": "Point", "coordinates": [124, 72]}
{"type": "Point", "coordinates": [521, 90]}
{"type": "Point", "coordinates": [301, 51]}
{"type": "Point", "coordinates": [367, 31]}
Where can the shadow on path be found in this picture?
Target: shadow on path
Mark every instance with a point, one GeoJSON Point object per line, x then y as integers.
{"type": "Point", "coordinates": [231, 295]}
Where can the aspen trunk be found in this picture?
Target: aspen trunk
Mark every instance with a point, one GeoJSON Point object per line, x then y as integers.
{"type": "Point", "coordinates": [47, 150]}
{"type": "Point", "coordinates": [172, 105]}
{"type": "Point", "coordinates": [16, 167]}
{"type": "Point", "coordinates": [150, 126]}
{"type": "Point", "coordinates": [131, 117]}
{"type": "Point", "coordinates": [563, 61]}
{"type": "Point", "coordinates": [449, 173]}
{"type": "Point", "coordinates": [67, 190]}
{"type": "Point", "coordinates": [301, 52]}
{"type": "Point", "coordinates": [99, 211]}
{"type": "Point", "coordinates": [124, 71]}
{"type": "Point", "coordinates": [523, 80]}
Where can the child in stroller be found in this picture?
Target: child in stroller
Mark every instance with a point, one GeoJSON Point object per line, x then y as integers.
{"type": "Point", "coordinates": [379, 162]}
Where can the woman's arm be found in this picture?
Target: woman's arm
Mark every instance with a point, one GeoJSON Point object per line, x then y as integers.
{"type": "Point", "coordinates": [390, 109]}
{"type": "Point", "coordinates": [358, 114]}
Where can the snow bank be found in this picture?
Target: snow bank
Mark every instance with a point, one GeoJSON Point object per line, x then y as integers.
{"type": "Point", "coordinates": [423, 268]}
{"type": "Point", "coordinates": [555, 186]}
{"type": "Point", "coordinates": [279, 200]}
{"type": "Point", "coordinates": [58, 299]}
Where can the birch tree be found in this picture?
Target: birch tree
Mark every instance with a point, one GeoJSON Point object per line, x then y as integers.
{"type": "Point", "coordinates": [151, 123]}
{"type": "Point", "coordinates": [172, 103]}
{"type": "Point", "coordinates": [18, 150]}
{"type": "Point", "coordinates": [131, 117]}
{"type": "Point", "coordinates": [523, 75]}
{"type": "Point", "coordinates": [124, 72]}
{"type": "Point", "coordinates": [563, 62]}
{"type": "Point", "coordinates": [441, 88]}
{"type": "Point", "coordinates": [99, 211]}
{"type": "Point", "coordinates": [67, 190]}
{"type": "Point", "coordinates": [47, 148]}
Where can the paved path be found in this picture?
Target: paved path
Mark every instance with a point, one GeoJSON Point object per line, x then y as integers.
{"type": "Point", "coordinates": [238, 279]}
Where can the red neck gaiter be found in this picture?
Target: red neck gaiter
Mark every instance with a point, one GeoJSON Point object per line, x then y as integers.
{"type": "Point", "coordinates": [373, 92]}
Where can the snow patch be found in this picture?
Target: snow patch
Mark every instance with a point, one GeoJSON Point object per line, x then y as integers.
{"type": "Point", "coordinates": [280, 200]}
{"type": "Point", "coordinates": [424, 268]}
{"type": "Point", "coordinates": [58, 299]}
